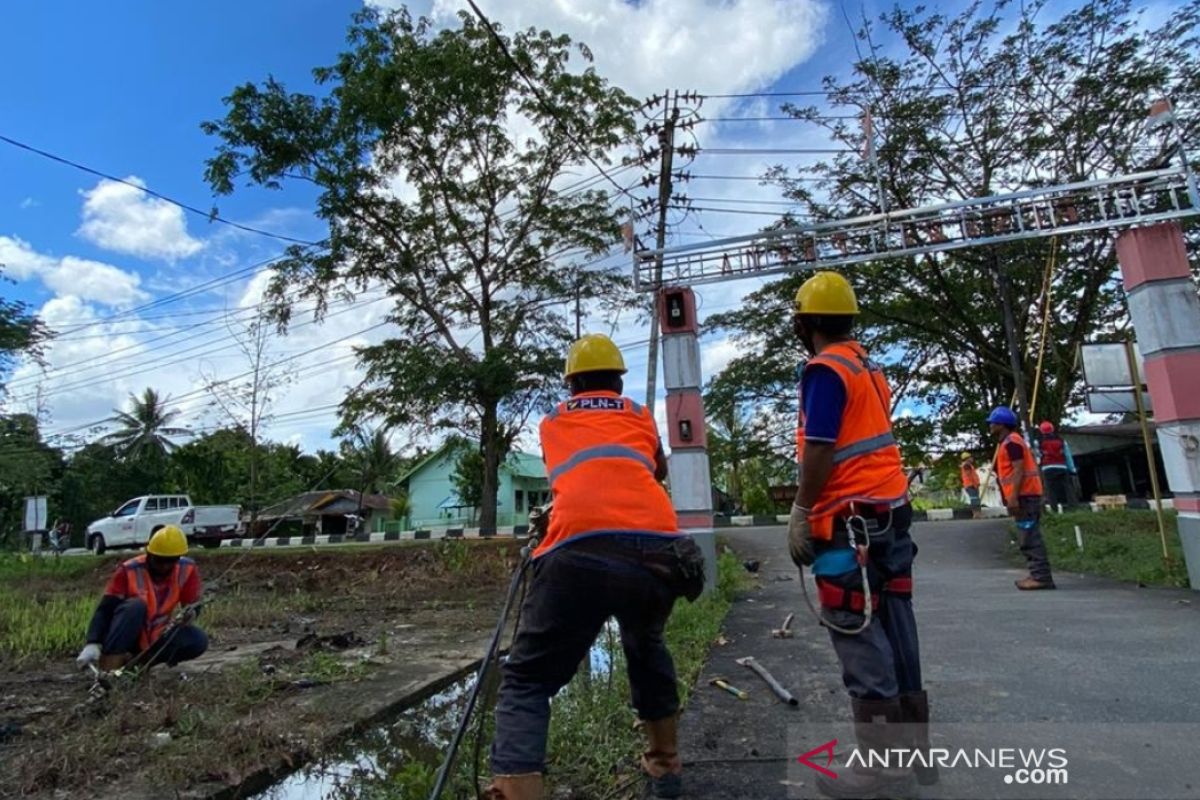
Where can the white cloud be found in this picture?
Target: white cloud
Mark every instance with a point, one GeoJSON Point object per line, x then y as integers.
{"type": "Point", "coordinates": [71, 276]}
{"type": "Point", "coordinates": [29, 202]}
{"type": "Point", "coordinates": [123, 219]}
{"type": "Point", "coordinates": [716, 46]}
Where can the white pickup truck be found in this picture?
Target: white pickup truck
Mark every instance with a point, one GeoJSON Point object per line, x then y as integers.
{"type": "Point", "coordinates": [135, 522]}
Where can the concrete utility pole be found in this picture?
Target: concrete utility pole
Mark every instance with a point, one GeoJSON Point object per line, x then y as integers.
{"type": "Point", "coordinates": [666, 146]}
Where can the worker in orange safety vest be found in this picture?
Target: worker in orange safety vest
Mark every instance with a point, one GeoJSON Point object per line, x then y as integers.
{"type": "Point", "coordinates": [611, 548]}
{"type": "Point", "coordinates": [852, 511]}
{"type": "Point", "coordinates": [138, 607]}
{"type": "Point", "coordinates": [970, 483]}
{"type": "Point", "coordinates": [1021, 487]}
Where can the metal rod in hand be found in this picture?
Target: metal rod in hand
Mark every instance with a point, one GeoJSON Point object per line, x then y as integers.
{"type": "Point", "coordinates": [776, 687]}
{"type": "Point", "coordinates": [481, 677]}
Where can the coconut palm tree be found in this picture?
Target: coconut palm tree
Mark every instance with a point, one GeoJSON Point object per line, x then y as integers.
{"type": "Point", "coordinates": [146, 429]}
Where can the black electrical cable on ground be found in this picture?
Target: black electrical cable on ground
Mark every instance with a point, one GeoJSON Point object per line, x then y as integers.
{"type": "Point", "coordinates": [479, 726]}
{"type": "Point", "coordinates": [481, 677]}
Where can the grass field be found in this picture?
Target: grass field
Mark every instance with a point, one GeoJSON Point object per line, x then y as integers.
{"type": "Point", "coordinates": [1117, 544]}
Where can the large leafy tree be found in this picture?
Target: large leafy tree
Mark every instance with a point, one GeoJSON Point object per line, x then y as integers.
{"type": "Point", "coordinates": [147, 431]}
{"type": "Point", "coordinates": [964, 109]}
{"type": "Point", "coordinates": [481, 248]}
{"type": "Point", "coordinates": [21, 332]}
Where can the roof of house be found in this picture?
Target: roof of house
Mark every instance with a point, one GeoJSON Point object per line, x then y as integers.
{"type": "Point", "coordinates": [1088, 439]}
{"type": "Point", "coordinates": [312, 503]}
{"type": "Point", "coordinates": [522, 465]}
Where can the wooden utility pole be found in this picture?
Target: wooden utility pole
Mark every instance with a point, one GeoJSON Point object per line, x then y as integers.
{"type": "Point", "coordinates": [666, 146]}
{"type": "Point", "coordinates": [1151, 464]}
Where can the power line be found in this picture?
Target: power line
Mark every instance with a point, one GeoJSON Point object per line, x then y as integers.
{"type": "Point", "coordinates": [86, 383]}
{"type": "Point", "coordinates": [209, 215]}
{"type": "Point", "coordinates": [176, 296]}
{"type": "Point", "coordinates": [550, 109]}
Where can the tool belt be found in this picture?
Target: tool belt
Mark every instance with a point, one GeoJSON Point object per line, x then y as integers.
{"type": "Point", "coordinates": [839, 598]}
{"type": "Point", "coordinates": [676, 560]}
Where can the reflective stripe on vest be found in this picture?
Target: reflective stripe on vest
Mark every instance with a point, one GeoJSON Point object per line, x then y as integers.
{"type": "Point", "coordinates": [866, 461]}
{"type": "Point", "coordinates": [864, 446]}
{"type": "Point", "coordinates": [600, 452]}
{"type": "Point", "coordinates": [1031, 481]}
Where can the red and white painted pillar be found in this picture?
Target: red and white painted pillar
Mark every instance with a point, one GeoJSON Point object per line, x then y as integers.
{"type": "Point", "coordinates": [691, 482]}
{"type": "Point", "coordinates": [1165, 310]}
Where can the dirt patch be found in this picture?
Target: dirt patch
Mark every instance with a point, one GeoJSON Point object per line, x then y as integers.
{"type": "Point", "coordinates": [365, 618]}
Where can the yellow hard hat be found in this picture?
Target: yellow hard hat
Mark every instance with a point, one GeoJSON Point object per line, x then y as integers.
{"type": "Point", "coordinates": [594, 352]}
{"type": "Point", "coordinates": [826, 293]}
{"type": "Point", "coordinates": [965, 455]}
{"type": "Point", "coordinates": [168, 542]}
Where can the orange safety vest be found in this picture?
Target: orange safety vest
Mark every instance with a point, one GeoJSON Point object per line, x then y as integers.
{"type": "Point", "coordinates": [141, 585]}
{"type": "Point", "coordinates": [800, 426]}
{"type": "Point", "coordinates": [800, 439]}
{"type": "Point", "coordinates": [600, 450]}
{"type": "Point", "coordinates": [867, 468]}
{"type": "Point", "coordinates": [970, 478]}
{"type": "Point", "coordinates": [1031, 482]}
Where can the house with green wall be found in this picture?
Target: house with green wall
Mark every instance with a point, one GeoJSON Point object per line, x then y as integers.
{"type": "Point", "coordinates": [434, 502]}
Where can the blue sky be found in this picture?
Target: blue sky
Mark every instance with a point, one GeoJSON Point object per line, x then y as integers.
{"type": "Point", "coordinates": [122, 87]}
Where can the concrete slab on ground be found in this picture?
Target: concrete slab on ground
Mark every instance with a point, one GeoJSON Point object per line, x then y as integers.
{"type": "Point", "coordinates": [1096, 653]}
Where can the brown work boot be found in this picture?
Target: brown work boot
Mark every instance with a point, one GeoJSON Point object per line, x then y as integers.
{"type": "Point", "coordinates": [515, 787]}
{"type": "Point", "coordinates": [914, 706]}
{"type": "Point", "coordinates": [1033, 584]}
{"type": "Point", "coordinates": [878, 728]}
{"type": "Point", "coordinates": [661, 760]}
{"type": "Point", "coordinates": [111, 662]}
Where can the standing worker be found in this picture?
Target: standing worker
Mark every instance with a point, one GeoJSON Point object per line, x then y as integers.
{"type": "Point", "coordinates": [134, 615]}
{"type": "Point", "coordinates": [970, 483]}
{"type": "Point", "coordinates": [612, 548]}
{"type": "Point", "coordinates": [1021, 489]}
{"type": "Point", "coordinates": [852, 508]}
{"type": "Point", "coordinates": [1058, 467]}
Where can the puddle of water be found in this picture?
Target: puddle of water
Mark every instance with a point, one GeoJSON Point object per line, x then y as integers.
{"type": "Point", "coordinates": [418, 735]}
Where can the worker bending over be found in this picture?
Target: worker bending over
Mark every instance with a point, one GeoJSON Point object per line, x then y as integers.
{"type": "Point", "coordinates": [1021, 488]}
{"type": "Point", "coordinates": [612, 548]}
{"type": "Point", "coordinates": [134, 616]}
{"type": "Point", "coordinates": [852, 478]}
{"type": "Point", "coordinates": [970, 482]}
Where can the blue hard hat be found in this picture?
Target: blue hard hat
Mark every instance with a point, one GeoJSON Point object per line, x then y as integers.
{"type": "Point", "coordinates": [1002, 415]}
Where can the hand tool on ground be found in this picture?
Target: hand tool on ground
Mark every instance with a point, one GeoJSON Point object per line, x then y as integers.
{"type": "Point", "coordinates": [776, 687]}
{"type": "Point", "coordinates": [721, 683]}
{"type": "Point", "coordinates": [784, 631]}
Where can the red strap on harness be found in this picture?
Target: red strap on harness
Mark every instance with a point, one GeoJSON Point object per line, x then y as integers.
{"type": "Point", "coordinates": [836, 597]}
{"type": "Point", "coordinates": [900, 585]}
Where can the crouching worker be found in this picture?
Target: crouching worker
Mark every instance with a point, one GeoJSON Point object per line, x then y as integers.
{"type": "Point", "coordinates": [134, 616]}
{"type": "Point", "coordinates": [612, 548]}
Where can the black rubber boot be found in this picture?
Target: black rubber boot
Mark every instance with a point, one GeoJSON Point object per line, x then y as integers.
{"type": "Point", "coordinates": [877, 726]}
{"type": "Point", "coordinates": [915, 708]}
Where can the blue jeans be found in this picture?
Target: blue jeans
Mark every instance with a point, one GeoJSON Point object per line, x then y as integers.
{"type": "Point", "coordinates": [884, 660]}
{"type": "Point", "coordinates": [573, 591]}
{"type": "Point", "coordinates": [128, 620]}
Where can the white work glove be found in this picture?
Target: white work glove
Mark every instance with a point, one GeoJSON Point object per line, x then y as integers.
{"type": "Point", "coordinates": [89, 655]}
{"type": "Point", "coordinates": [800, 537]}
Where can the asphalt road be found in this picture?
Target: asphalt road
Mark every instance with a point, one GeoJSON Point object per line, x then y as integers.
{"type": "Point", "coordinates": [1102, 669]}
